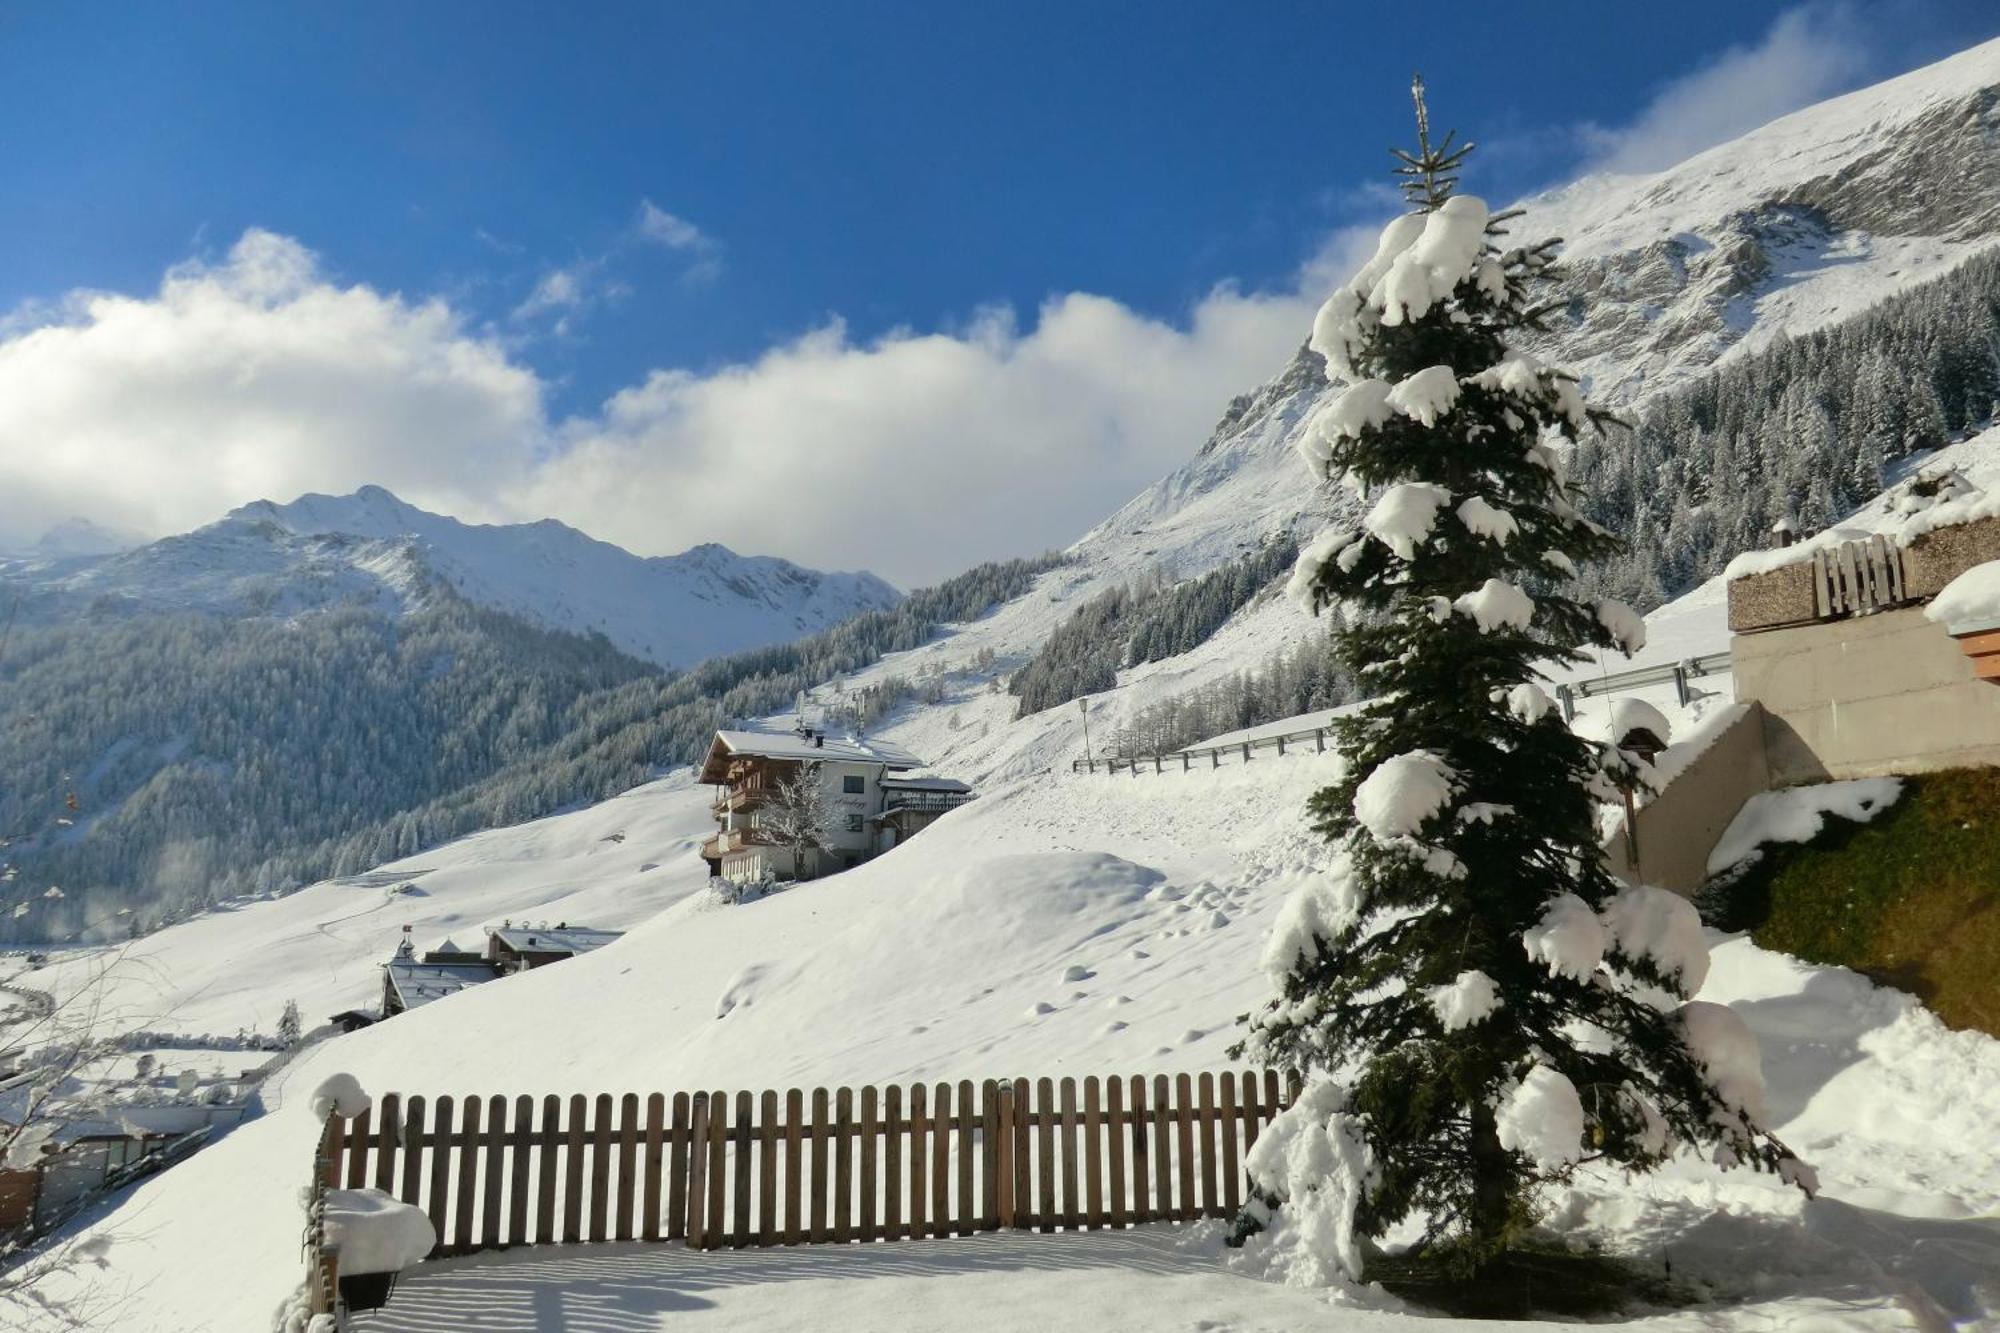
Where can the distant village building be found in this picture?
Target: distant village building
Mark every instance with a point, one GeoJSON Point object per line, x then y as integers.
{"type": "Point", "coordinates": [513, 948]}
{"type": "Point", "coordinates": [410, 982]}
{"type": "Point", "coordinates": [868, 798]}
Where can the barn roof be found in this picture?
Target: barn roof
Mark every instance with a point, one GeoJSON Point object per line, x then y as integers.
{"type": "Point", "coordinates": [554, 939]}
{"type": "Point", "coordinates": [791, 745]}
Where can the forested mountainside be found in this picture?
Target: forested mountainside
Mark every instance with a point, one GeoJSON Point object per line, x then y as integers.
{"type": "Point", "coordinates": [161, 763]}
{"type": "Point", "coordinates": [1805, 429]}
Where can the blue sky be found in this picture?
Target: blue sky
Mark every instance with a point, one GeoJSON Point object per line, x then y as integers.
{"type": "Point", "coordinates": [607, 201]}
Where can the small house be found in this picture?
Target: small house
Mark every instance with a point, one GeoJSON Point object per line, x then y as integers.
{"type": "Point", "coordinates": [513, 948]}
{"type": "Point", "coordinates": [409, 981]}
{"type": "Point", "coordinates": [864, 800]}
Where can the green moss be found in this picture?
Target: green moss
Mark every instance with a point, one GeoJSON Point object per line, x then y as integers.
{"type": "Point", "coordinates": [1911, 899]}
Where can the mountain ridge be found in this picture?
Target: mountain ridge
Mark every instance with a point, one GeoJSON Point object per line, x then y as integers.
{"type": "Point", "coordinates": [373, 549]}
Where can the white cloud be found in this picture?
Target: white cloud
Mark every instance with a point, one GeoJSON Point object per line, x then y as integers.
{"type": "Point", "coordinates": [656, 224]}
{"type": "Point", "coordinates": [915, 454]}
{"type": "Point", "coordinates": [1810, 53]}
{"type": "Point", "coordinates": [250, 377]}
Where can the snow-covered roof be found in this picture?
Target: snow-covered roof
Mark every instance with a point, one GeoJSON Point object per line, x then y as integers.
{"type": "Point", "coordinates": [420, 983]}
{"type": "Point", "coordinates": [555, 939]}
{"type": "Point", "coordinates": [791, 745]}
{"type": "Point", "coordinates": [924, 784]}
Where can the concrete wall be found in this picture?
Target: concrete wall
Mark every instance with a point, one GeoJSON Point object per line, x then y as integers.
{"type": "Point", "coordinates": [1680, 826]}
{"type": "Point", "coordinates": [1887, 693]}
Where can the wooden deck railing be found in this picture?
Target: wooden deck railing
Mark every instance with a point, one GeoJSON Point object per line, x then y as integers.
{"type": "Point", "coordinates": [795, 1168]}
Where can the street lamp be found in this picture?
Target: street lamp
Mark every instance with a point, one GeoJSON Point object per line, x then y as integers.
{"type": "Point", "coordinates": [1083, 709]}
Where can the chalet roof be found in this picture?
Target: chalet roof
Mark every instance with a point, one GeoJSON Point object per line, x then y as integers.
{"type": "Point", "coordinates": [792, 746]}
{"type": "Point", "coordinates": [556, 939]}
{"type": "Point", "coordinates": [420, 983]}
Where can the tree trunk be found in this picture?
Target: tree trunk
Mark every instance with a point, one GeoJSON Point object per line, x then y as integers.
{"type": "Point", "coordinates": [1492, 1181]}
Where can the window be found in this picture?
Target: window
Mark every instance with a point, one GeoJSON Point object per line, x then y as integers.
{"type": "Point", "coordinates": [854, 823]}
{"type": "Point", "coordinates": [853, 784]}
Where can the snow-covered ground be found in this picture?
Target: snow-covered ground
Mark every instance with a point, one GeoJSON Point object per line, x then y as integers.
{"type": "Point", "coordinates": [947, 958]}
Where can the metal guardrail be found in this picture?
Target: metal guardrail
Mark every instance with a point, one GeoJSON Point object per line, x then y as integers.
{"type": "Point", "coordinates": [1680, 675]}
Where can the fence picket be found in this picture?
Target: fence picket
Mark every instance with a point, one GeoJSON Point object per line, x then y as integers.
{"type": "Point", "coordinates": [697, 1187]}
{"type": "Point", "coordinates": [357, 1150]}
{"type": "Point", "coordinates": [1024, 1187]}
{"type": "Point", "coordinates": [1232, 1176]}
{"type": "Point", "coordinates": [1114, 1135]}
{"type": "Point", "coordinates": [767, 1169]}
{"type": "Point", "coordinates": [1069, 1163]}
{"type": "Point", "coordinates": [795, 1114]}
{"type": "Point", "coordinates": [1184, 1113]}
{"type": "Point", "coordinates": [865, 1229]}
{"type": "Point", "coordinates": [440, 1146]}
{"type": "Point", "coordinates": [628, 1165]}
{"type": "Point", "coordinates": [819, 1126]}
{"type": "Point", "coordinates": [495, 1169]}
{"type": "Point", "coordinates": [968, 1203]}
{"type": "Point", "coordinates": [716, 1229]}
{"type": "Point", "coordinates": [843, 1164]}
{"type": "Point", "coordinates": [1045, 1139]}
{"type": "Point", "coordinates": [989, 1156]}
{"type": "Point", "coordinates": [572, 1203]}
{"type": "Point", "coordinates": [1093, 1157]}
{"type": "Point", "coordinates": [1211, 1203]}
{"type": "Point", "coordinates": [468, 1175]}
{"type": "Point", "coordinates": [678, 1169]}
{"type": "Point", "coordinates": [1000, 1134]}
{"type": "Point", "coordinates": [600, 1168]}
{"type": "Point", "coordinates": [941, 1214]}
{"type": "Point", "coordinates": [413, 1151]}
{"type": "Point", "coordinates": [524, 1152]}
{"type": "Point", "coordinates": [385, 1144]}
{"type": "Point", "coordinates": [1142, 1208]}
{"type": "Point", "coordinates": [649, 1196]}
{"type": "Point", "coordinates": [1163, 1120]}
{"type": "Point", "coordinates": [740, 1233]}
{"type": "Point", "coordinates": [1253, 1116]}
{"type": "Point", "coordinates": [919, 1156]}
{"type": "Point", "coordinates": [892, 1162]}
{"type": "Point", "coordinates": [545, 1172]}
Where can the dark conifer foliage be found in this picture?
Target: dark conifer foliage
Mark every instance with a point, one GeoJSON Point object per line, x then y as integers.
{"type": "Point", "coordinates": [1479, 1007]}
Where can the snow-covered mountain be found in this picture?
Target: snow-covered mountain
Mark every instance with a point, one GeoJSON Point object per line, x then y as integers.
{"type": "Point", "coordinates": [1802, 223]}
{"type": "Point", "coordinates": [374, 549]}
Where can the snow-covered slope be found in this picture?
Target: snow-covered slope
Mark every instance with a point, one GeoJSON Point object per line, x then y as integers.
{"type": "Point", "coordinates": [954, 956]}
{"type": "Point", "coordinates": [373, 548]}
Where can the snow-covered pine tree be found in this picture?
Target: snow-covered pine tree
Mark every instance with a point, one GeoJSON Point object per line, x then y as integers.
{"type": "Point", "coordinates": [1476, 1004]}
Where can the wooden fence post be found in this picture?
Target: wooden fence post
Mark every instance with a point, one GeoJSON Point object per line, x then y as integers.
{"type": "Point", "coordinates": [696, 1229]}
{"type": "Point", "coordinates": [1000, 1148]}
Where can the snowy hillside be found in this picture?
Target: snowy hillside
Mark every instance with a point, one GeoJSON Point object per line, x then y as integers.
{"type": "Point", "coordinates": [1077, 925]}
{"type": "Point", "coordinates": [372, 548]}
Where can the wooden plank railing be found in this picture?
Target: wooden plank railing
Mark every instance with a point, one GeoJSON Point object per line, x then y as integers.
{"type": "Point", "coordinates": [873, 1164]}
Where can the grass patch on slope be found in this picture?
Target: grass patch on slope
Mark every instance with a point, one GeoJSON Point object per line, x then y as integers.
{"type": "Point", "coordinates": [1910, 899]}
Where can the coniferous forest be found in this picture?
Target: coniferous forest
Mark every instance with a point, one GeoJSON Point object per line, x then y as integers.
{"type": "Point", "coordinates": [167, 762]}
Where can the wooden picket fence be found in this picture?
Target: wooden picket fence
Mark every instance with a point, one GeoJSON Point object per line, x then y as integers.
{"type": "Point", "coordinates": [875, 1164]}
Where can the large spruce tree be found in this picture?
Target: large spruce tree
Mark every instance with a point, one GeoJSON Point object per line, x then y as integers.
{"type": "Point", "coordinates": [1478, 1006]}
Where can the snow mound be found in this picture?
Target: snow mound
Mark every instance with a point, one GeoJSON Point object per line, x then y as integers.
{"type": "Point", "coordinates": [1662, 928]}
{"type": "Point", "coordinates": [375, 1233]}
{"type": "Point", "coordinates": [1969, 602]}
{"type": "Point", "coordinates": [341, 1095]}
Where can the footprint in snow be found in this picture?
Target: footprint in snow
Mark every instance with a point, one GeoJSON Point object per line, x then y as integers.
{"type": "Point", "coordinates": [1116, 1026]}
{"type": "Point", "coordinates": [1076, 972]}
{"type": "Point", "coordinates": [1216, 921]}
{"type": "Point", "coordinates": [1191, 1036]}
{"type": "Point", "coordinates": [1076, 995]}
{"type": "Point", "coordinates": [1140, 953]}
{"type": "Point", "coordinates": [1041, 1007]}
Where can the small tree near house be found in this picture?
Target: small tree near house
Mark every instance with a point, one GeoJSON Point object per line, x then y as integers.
{"type": "Point", "coordinates": [799, 815]}
{"type": "Point", "coordinates": [1478, 1007]}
